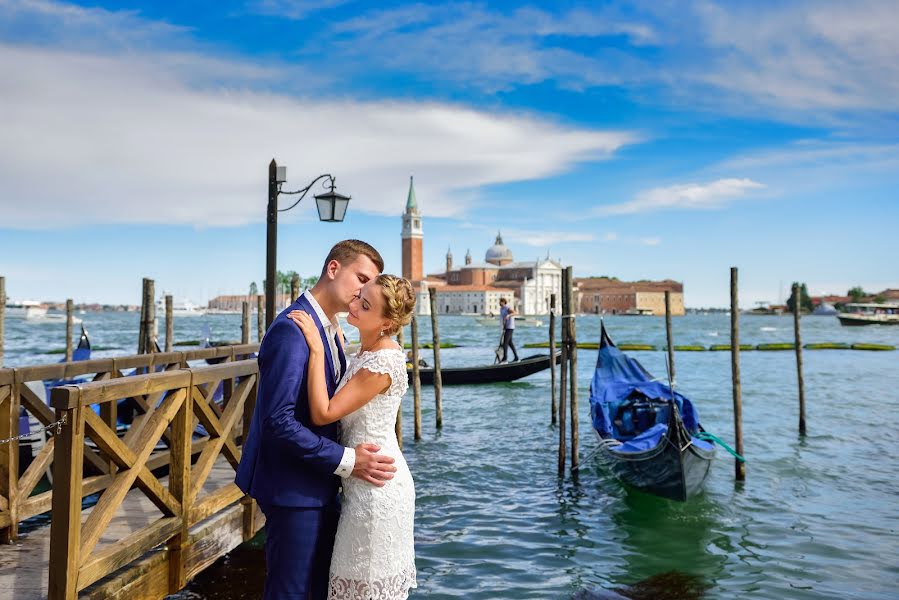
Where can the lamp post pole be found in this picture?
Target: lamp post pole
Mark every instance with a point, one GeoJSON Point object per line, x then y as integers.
{"type": "Point", "coordinates": [271, 243]}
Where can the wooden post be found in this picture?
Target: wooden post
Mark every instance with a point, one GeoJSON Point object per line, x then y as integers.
{"type": "Point", "coordinates": [169, 323]}
{"type": "Point", "coordinates": [70, 314]}
{"type": "Point", "coordinates": [416, 379]}
{"type": "Point", "coordinates": [65, 527]}
{"type": "Point", "coordinates": [399, 411]}
{"type": "Point", "coordinates": [801, 379]}
{"type": "Point", "coordinates": [260, 318]}
{"type": "Point", "coordinates": [552, 357]}
{"type": "Point", "coordinates": [150, 344]}
{"type": "Point", "coordinates": [9, 460]}
{"type": "Point", "coordinates": [563, 379]}
{"type": "Point", "coordinates": [179, 486]}
{"type": "Point", "coordinates": [438, 380]}
{"type": "Point", "coordinates": [668, 335]}
{"type": "Point", "coordinates": [739, 467]}
{"type": "Point", "coordinates": [142, 330]}
{"type": "Point", "coordinates": [245, 323]}
{"type": "Point", "coordinates": [249, 505]}
{"type": "Point", "coordinates": [2, 316]}
{"type": "Point", "coordinates": [572, 368]}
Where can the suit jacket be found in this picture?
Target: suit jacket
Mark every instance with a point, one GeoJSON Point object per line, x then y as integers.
{"type": "Point", "coordinates": [286, 460]}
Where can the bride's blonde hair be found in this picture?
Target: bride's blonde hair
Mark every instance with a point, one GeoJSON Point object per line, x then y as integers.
{"type": "Point", "coordinates": [399, 301]}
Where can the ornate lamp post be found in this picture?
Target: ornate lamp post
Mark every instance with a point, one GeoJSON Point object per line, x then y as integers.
{"type": "Point", "coordinates": [331, 209]}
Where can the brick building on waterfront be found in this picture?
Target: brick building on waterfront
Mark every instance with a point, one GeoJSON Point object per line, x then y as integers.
{"type": "Point", "coordinates": [605, 295]}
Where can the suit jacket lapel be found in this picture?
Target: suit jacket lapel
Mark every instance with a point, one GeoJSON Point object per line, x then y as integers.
{"type": "Point", "coordinates": [341, 355]}
{"type": "Point", "coordinates": [329, 362]}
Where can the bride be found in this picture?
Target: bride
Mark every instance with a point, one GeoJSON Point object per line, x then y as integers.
{"type": "Point", "coordinates": [374, 556]}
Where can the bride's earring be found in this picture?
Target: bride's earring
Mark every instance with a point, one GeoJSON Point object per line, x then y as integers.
{"type": "Point", "coordinates": [381, 334]}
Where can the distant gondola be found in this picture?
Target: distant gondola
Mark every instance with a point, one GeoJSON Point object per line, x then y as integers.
{"type": "Point", "coordinates": [647, 434]}
{"type": "Point", "coordinates": [497, 373]}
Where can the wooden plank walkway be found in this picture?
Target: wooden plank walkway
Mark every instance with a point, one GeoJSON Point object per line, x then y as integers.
{"type": "Point", "coordinates": [24, 565]}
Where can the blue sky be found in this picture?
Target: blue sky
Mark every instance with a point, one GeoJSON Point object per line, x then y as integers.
{"type": "Point", "coordinates": [640, 140]}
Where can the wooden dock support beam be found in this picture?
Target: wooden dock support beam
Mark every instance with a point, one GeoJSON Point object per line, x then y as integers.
{"type": "Point", "coordinates": [563, 381]}
{"type": "Point", "coordinates": [438, 380]}
{"type": "Point", "coordinates": [739, 466]}
{"type": "Point", "coordinates": [801, 380]}
{"type": "Point", "coordinates": [570, 325]}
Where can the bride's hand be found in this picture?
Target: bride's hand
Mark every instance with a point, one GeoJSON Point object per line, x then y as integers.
{"type": "Point", "coordinates": [309, 329]}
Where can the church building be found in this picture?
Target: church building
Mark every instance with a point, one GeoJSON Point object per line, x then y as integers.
{"type": "Point", "coordinates": [476, 288]}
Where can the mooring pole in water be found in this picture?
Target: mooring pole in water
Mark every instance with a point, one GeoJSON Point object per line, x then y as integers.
{"type": "Point", "coordinates": [2, 315]}
{"type": "Point", "coordinates": [244, 322]}
{"type": "Point", "coordinates": [552, 357]}
{"type": "Point", "coordinates": [150, 330]}
{"type": "Point", "coordinates": [570, 324]}
{"type": "Point", "coordinates": [70, 320]}
{"type": "Point", "coordinates": [169, 323]}
{"type": "Point", "coordinates": [438, 380]}
{"type": "Point", "coordinates": [260, 317]}
{"type": "Point", "coordinates": [801, 379]}
{"type": "Point", "coordinates": [668, 335]}
{"type": "Point", "coordinates": [739, 467]}
{"type": "Point", "coordinates": [399, 411]}
{"type": "Point", "coordinates": [563, 379]}
{"type": "Point", "coordinates": [416, 379]}
{"type": "Point", "coordinates": [141, 331]}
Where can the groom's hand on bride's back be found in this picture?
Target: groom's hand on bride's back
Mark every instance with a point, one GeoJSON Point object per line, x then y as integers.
{"type": "Point", "coordinates": [371, 467]}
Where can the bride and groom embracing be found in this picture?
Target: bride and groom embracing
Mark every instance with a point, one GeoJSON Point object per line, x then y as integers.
{"type": "Point", "coordinates": [321, 422]}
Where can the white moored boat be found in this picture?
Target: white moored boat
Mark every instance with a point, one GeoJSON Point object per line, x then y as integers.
{"type": "Point", "coordinates": [25, 309]}
{"type": "Point", "coordinates": [185, 308]}
{"type": "Point", "coordinates": [870, 313]}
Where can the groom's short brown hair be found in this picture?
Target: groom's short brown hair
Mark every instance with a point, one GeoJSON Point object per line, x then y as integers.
{"type": "Point", "coordinates": [347, 251]}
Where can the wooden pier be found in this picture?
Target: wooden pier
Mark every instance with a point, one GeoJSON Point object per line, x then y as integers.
{"type": "Point", "coordinates": [166, 505]}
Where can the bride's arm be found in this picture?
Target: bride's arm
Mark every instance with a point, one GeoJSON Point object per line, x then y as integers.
{"type": "Point", "coordinates": [357, 392]}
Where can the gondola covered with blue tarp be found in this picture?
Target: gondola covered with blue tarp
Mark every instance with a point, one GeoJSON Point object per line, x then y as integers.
{"type": "Point", "coordinates": [647, 433]}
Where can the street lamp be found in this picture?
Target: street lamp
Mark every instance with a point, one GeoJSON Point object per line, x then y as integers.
{"type": "Point", "coordinates": [331, 209]}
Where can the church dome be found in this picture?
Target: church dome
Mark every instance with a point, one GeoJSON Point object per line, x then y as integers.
{"type": "Point", "coordinates": [498, 254]}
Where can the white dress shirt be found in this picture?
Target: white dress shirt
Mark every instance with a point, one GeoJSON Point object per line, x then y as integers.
{"type": "Point", "coordinates": [331, 327]}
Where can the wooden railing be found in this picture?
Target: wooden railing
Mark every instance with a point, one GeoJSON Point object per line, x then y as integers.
{"type": "Point", "coordinates": [174, 403]}
{"type": "Point", "coordinates": [17, 498]}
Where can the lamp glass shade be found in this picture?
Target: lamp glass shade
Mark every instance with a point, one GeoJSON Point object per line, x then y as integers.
{"type": "Point", "coordinates": [331, 206]}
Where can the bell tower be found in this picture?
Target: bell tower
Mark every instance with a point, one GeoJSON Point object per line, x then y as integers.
{"type": "Point", "coordinates": [412, 236]}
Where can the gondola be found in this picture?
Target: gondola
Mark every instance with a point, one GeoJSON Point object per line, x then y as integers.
{"type": "Point", "coordinates": [647, 433]}
{"type": "Point", "coordinates": [497, 373]}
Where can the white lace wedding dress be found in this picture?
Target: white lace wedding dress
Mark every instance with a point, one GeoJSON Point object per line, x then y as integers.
{"type": "Point", "coordinates": [374, 556]}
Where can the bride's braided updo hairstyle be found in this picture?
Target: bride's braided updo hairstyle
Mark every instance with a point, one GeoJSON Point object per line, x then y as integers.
{"type": "Point", "coordinates": [399, 301]}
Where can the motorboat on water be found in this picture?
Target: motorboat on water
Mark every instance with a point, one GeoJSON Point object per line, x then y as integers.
{"type": "Point", "coordinates": [520, 321]}
{"type": "Point", "coordinates": [184, 308]}
{"type": "Point", "coordinates": [25, 309]}
{"type": "Point", "coordinates": [869, 313]}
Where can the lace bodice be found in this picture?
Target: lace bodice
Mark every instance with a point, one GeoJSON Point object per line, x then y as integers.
{"type": "Point", "coordinates": [374, 552]}
{"type": "Point", "coordinates": [375, 421]}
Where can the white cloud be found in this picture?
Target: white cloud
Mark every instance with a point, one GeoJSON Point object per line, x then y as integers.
{"type": "Point", "coordinates": [544, 239]}
{"type": "Point", "coordinates": [127, 139]}
{"type": "Point", "coordinates": [691, 196]}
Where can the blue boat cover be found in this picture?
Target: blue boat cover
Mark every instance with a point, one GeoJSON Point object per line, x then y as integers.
{"type": "Point", "coordinates": [619, 380]}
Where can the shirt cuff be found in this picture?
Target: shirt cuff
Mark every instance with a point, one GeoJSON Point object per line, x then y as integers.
{"type": "Point", "coordinates": [345, 469]}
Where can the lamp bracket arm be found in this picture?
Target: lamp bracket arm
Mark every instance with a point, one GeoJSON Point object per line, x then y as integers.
{"type": "Point", "coordinates": [305, 190]}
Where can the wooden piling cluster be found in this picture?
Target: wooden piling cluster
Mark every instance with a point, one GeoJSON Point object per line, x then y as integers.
{"type": "Point", "coordinates": [568, 394]}
{"type": "Point", "coordinates": [196, 526]}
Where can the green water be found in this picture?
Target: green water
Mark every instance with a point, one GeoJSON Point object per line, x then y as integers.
{"type": "Point", "coordinates": [816, 517]}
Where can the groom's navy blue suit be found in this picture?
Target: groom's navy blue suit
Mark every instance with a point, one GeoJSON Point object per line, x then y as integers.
{"type": "Point", "coordinates": [288, 463]}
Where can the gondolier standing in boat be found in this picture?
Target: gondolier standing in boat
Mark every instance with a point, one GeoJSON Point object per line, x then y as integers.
{"type": "Point", "coordinates": [507, 319]}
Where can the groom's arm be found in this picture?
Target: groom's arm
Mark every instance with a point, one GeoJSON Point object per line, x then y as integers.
{"type": "Point", "coordinates": [282, 370]}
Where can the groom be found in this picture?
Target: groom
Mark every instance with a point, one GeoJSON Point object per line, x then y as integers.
{"type": "Point", "coordinates": [291, 467]}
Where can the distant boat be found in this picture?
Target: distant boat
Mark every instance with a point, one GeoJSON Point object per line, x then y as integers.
{"type": "Point", "coordinates": [824, 310]}
{"type": "Point", "coordinates": [24, 309]}
{"type": "Point", "coordinates": [185, 308]}
{"type": "Point", "coordinates": [52, 318]}
{"type": "Point", "coordinates": [636, 312]}
{"type": "Point", "coordinates": [496, 373]}
{"type": "Point", "coordinates": [520, 321]}
{"type": "Point", "coordinates": [870, 313]}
